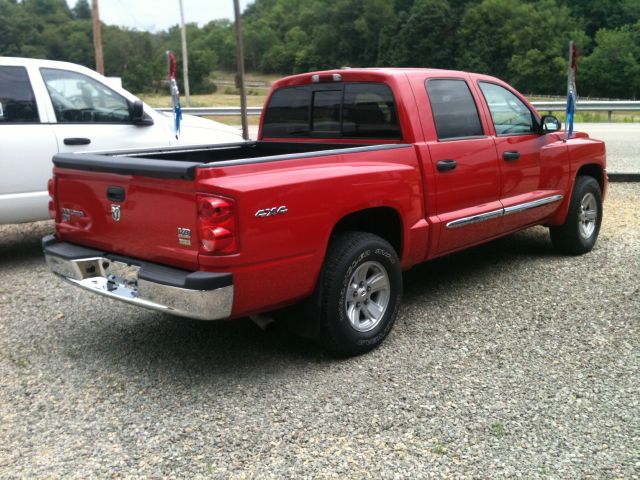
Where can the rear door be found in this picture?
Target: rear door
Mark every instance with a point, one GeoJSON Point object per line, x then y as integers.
{"type": "Point", "coordinates": [465, 166]}
{"type": "Point", "coordinates": [27, 144]}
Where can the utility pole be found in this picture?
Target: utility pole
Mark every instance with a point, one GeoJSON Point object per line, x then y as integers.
{"type": "Point", "coordinates": [97, 37]}
{"type": "Point", "coordinates": [185, 58]}
{"type": "Point", "coordinates": [240, 56]}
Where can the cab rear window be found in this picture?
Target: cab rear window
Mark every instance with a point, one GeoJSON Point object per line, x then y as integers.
{"type": "Point", "coordinates": [338, 110]}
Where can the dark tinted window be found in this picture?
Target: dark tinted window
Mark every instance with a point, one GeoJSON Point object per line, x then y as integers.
{"type": "Point", "coordinates": [509, 114]}
{"type": "Point", "coordinates": [354, 110]}
{"type": "Point", "coordinates": [326, 111]}
{"type": "Point", "coordinates": [369, 111]}
{"type": "Point", "coordinates": [454, 111]}
{"type": "Point", "coordinates": [17, 103]}
{"type": "Point", "coordinates": [288, 113]}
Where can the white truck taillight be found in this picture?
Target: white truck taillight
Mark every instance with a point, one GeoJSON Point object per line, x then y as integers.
{"type": "Point", "coordinates": [216, 225]}
{"type": "Point", "coordinates": [51, 188]}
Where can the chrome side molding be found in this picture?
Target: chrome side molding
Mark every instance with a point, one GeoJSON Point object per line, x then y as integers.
{"type": "Point", "coordinates": [536, 203]}
{"type": "Point", "coordinates": [482, 217]}
{"type": "Point", "coordinates": [521, 207]}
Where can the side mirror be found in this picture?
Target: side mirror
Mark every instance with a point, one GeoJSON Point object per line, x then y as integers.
{"type": "Point", "coordinates": [138, 117]}
{"type": "Point", "coordinates": [550, 124]}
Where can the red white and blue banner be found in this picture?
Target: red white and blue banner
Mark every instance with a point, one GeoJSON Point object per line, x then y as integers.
{"type": "Point", "coordinates": [175, 93]}
{"type": "Point", "coordinates": [572, 92]}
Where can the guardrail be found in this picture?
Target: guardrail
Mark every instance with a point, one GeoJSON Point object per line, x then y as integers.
{"type": "Point", "coordinates": [215, 111]}
{"type": "Point", "coordinates": [591, 106]}
{"type": "Point", "coordinates": [556, 106]}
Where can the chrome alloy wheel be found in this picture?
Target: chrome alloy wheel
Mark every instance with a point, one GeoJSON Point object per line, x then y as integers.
{"type": "Point", "coordinates": [588, 215]}
{"type": "Point", "coordinates": [367, 296]}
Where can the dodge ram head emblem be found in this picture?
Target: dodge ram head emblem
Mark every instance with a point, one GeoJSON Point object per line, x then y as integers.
{"type": "Point", "coordinates": [115, 212]}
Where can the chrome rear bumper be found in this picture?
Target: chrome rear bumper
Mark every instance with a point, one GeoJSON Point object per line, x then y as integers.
{"type": "Point", "coordinates": [200, 295]}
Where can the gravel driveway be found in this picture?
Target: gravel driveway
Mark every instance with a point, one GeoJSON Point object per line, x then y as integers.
{"type": "Point", "coordinates": [507, 360]}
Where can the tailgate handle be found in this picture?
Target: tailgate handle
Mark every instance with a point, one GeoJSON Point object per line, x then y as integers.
{"type": "Point", "coordinates": [77, 141]}
{"type": "Point", "coordinates": [115, 194]}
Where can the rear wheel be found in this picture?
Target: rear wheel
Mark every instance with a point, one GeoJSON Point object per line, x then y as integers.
{"type": "Point", "coordinates": [580, 230]}
{"type": "Point", "coordinates": [359, 293]}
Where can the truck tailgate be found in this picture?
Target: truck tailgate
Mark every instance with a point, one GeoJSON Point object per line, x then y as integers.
{"type": "Point", "coordinates": [128, 213]}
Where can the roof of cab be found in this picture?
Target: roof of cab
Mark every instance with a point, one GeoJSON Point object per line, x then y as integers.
{"type": "Point", "coordinates": [373, 74]}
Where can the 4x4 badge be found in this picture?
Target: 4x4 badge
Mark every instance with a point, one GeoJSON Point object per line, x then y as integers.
{"type": "Point", "coordinates": [115, 212]}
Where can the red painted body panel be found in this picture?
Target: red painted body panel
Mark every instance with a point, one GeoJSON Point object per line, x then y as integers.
{"type": "Point", "coordinates": [279, 258]}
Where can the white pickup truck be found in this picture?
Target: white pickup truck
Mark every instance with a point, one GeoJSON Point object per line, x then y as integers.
{"type": "Point", "coordinates": [49, 107]}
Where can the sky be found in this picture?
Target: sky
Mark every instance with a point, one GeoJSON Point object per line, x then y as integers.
{"type": "Point", "coordinates": [156, 15]}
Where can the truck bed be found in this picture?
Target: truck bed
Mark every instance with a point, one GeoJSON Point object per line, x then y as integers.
{"type": "Point", "coordinates": [181, 163]}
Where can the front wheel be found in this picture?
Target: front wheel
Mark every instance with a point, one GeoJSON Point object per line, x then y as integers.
{"type": "Point", "coordinates": [359, 291]}
{"type": "Point", "coordinates": [580, 230]}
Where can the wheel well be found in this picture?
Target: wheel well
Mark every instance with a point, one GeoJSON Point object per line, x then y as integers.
{"type": "Point", "coordinates": [593, 170]}
{"type": "Point", "coordinates": [382, 221]}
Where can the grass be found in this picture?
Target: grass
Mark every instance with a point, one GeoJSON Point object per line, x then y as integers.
{"type": "Point", "coordinates": [210, 100]}
{"type": "Point", "coordinates": [498, 429]}
{"type": "Point", "coordinates": [439, 449]}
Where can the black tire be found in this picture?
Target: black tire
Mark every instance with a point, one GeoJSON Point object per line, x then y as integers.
{"type": "Point", "coordinates": [575, 237]}
{"type": "Point", "coordinates": [349, 254]}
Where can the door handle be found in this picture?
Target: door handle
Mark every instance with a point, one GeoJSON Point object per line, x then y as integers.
{"type": "Point", "coordinates": [77, 141]}
{"type": "Point", "coordinates": [511, 156]}
{"type": "Point", "coordinates": [446, 165]}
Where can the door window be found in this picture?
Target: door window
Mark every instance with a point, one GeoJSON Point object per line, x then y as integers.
{"type": "Point", "coordinates": [509, 114]}
{"type": "Point", "coordinates": [17, 102]}
{"type": "Point", "coordinates": [77, 98]}
{"type": "Point", "coordinates": [454, 110]}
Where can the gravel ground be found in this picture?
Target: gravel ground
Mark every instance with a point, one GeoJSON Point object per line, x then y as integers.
{"type": "Point", "coordinates": [507, 360]}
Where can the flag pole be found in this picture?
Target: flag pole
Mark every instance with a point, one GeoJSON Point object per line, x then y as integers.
{"type": "Point", "coordinates": [572, 93]}
{"type": "Point", "coordinates": [185, 57]}
{"type": "Point", "coordinates": [240, 57]}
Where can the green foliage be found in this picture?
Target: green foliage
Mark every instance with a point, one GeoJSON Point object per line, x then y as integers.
{"type": "Point", "coordinates": [422, 37]}
{"type": "Point", "coordinates": [82, 10]}
{"type": "Point", "coordinates": [525, 42]}
{"type": "Point", "coordinates": [614, 65]}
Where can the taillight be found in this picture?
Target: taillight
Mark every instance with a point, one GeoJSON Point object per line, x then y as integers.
{"type": "Point", "coordinates": [51, 188]}
{"type": "Point", "coordinates": [216, 225]}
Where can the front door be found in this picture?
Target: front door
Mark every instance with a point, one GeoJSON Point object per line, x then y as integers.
{"type": "Point", "coordinates": [90, 116]}
{"type": "Point", "coordinates": [521, 149]}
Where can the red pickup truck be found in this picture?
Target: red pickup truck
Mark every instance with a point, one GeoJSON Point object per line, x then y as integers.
{"type": "Point", "coordinates": [357, 175]}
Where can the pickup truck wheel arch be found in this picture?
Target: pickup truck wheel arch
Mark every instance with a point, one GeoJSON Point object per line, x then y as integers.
{"type": "Point", "coordinates": [358, 263]}
{"type": "Point", "coordinates": [385, 222]}
{"type": "Point", "coordinates": [579, 232]}
{"type": "Point", "coordinates": [592, 170]}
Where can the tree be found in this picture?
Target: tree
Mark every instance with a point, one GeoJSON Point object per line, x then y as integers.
{"type": "Point", "coordinates": [82, 10]}
{"type": "Point", "coordinates": [425, 37]}
{"type": "Point", "coordinates": [524, 43]}
{"type": "Point", "coordinates": [613, 69]}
